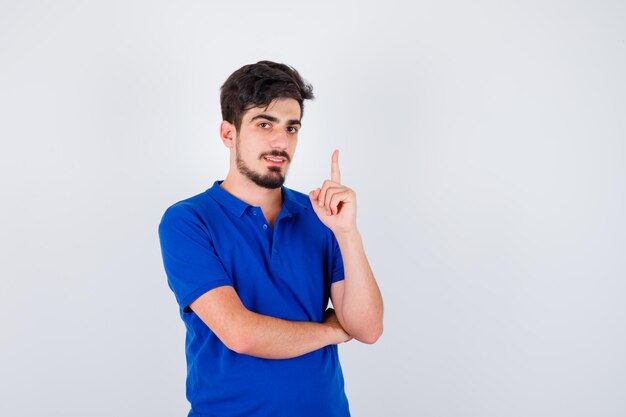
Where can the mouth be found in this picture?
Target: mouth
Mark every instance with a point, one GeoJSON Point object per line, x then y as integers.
{"type": "Point", "coordinates": [276, 160]}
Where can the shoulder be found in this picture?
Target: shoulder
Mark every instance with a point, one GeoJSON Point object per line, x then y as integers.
{"type": "Point", "coordinates": [195, 208]}
{"type": "Point", "coordinates": [299, 198]}
{"type": "Point", "coordinates": [299, 204]}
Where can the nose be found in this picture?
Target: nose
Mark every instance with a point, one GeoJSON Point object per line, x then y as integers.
{"type": "Point", "coordinates": [280, 140]}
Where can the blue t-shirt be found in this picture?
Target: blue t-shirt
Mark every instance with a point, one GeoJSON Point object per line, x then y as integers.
{"type": "Point", "coordinates": [214, 239]}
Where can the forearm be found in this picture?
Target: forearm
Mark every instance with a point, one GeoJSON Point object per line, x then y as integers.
{"type": "Point", "coordinates": [272, 338]}
{"type": "Point", "coordinates": [362, 303]}
{"type": "Point", "coordinates": [244, 331]}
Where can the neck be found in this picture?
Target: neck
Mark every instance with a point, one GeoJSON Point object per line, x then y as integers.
{"type": "Point", "coordinates": [270, 200]}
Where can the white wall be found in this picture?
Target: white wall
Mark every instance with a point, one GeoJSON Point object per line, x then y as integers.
{"type": "Point", "coordinates": [486, 142]}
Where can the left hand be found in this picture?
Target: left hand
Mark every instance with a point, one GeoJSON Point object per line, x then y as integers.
{"type": "Point", "coordinates": [335, 204]}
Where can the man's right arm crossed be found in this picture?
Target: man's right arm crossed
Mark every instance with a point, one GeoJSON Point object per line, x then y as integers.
{"type": "Point", "coordinates": [250, 333]}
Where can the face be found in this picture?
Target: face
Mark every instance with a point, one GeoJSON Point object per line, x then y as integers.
{"type": "Point", "coordinates": [266, 142]}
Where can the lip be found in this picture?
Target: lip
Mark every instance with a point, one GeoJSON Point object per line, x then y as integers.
{"type": "Point", "coordinates": [276, 163]}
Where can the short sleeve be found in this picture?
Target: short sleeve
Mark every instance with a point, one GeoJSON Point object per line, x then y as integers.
{"type": "Point", "coordinates": [191, 263]}
{"type": "Point", "coordinates": [337, 262]}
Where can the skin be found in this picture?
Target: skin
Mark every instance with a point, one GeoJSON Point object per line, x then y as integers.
{"type": "Point", "coordinates": [357, 300]}
{"type": "Point", "coordinates": [256, 138]}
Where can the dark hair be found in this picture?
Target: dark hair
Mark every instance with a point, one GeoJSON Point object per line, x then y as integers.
{"type": "Point", "coordinates": [257, 85]}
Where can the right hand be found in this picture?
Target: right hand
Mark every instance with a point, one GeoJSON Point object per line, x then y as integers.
{"type": "Point", "coordinates": [330, 319]}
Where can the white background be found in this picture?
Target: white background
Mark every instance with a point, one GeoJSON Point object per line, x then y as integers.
{"type": "Point", "coordinates": [485, 140]}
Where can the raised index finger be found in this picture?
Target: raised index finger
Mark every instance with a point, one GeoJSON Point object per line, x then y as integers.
{"type": "Point", "coordinates": [335, 174]}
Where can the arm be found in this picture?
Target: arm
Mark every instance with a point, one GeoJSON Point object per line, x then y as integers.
{"type": "Point", "coordinates": [246, 332]}
{"type": "Point", "coordinates": [357, 299]}
{"type": "Point", "coordinates": [191, 264]}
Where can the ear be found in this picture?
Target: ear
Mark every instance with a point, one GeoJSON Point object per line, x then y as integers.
{"type": "Point", "coordinates": [228, 133]}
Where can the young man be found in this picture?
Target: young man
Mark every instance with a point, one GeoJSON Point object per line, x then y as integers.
{"type": "Point", "coordinates": [253, 264]}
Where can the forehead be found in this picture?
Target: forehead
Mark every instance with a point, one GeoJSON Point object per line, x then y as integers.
{"type": "Point", "coordinates": [281, 108]}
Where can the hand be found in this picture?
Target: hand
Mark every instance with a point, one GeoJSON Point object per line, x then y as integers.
{"type": "Point", "coordinates": [335, 204]}
{"type": "Point", "coordinates": [331, 320]}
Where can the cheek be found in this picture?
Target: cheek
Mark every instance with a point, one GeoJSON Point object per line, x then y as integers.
{"type": "Point", "coordinates": [248, 150]}
{"type": "Point", "coordinates": [293, 144]}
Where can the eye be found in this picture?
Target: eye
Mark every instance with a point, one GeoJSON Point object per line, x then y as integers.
{"type": "Point", "coordinates": [292, 129]}
{"type": "Point", "coordinates": [264, 125]}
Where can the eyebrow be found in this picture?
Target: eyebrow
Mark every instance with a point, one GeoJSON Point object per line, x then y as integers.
{"type": "Point", "coordinates": [275, 119]}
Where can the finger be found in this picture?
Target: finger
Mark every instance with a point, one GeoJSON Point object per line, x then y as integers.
{"type": "Point", "coordinates": [322, 196]}
{"type": "Point", "coordinates": [329, 194]}
{"type": "Point", "coordinates": [336, 199]}
{"type": "Point", "coordinates": [328, 197]}
{"type": "Point", "coordinates": [335, 174]}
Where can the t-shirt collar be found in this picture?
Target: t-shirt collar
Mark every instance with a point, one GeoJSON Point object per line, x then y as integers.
{"type": "Point", "coordinates": [290, 205]}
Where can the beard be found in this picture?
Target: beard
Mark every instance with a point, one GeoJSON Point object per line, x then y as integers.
{"type": "Point", "coordinates": [272, 180]}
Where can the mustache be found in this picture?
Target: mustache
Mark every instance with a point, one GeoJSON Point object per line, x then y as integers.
{"type": "Point", "coordinates": [276, 153]}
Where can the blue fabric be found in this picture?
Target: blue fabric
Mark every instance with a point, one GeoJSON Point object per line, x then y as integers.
{"type": "Point", "coordinates": [214, 239]}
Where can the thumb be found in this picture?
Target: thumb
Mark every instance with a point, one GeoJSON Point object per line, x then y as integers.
{"type": "Point", "coordinates": [313, 195]}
